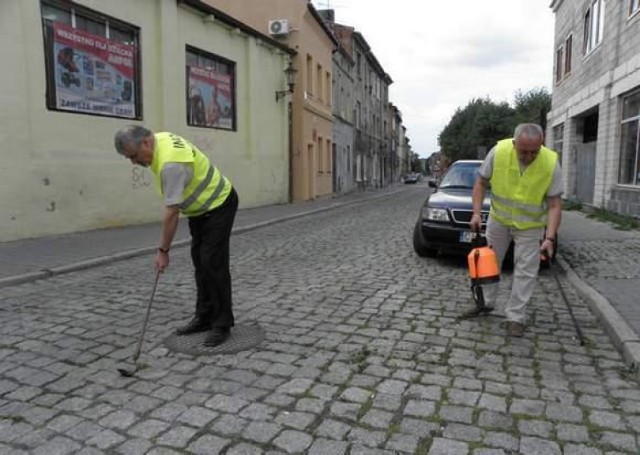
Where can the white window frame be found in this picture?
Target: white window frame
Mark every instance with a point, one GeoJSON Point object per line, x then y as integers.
{"type": "Point", "coordinates": [593, 26]}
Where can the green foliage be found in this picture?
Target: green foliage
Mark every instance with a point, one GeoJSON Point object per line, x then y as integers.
{"type": "Point", "coordinates": [569, 205]}
{"type": "Point", "coordinates": [532, 106]}
{"type": "Point", "coordinates": [482, 122]}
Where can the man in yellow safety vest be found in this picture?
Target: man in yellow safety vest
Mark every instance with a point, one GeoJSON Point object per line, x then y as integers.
{"type": "Point", "coordinates": [526, 190]}
{"type": "Point", "coordinates": [191, 185]}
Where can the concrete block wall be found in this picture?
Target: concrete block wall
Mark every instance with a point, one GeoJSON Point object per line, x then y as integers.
{"type": "Point", "coordinates": [597, 80]}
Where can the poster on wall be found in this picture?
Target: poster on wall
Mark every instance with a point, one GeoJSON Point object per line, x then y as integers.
{"type": "Point", "coordinates": [93, 74]}
{"type": "Point", "coordinates": [209, 102]}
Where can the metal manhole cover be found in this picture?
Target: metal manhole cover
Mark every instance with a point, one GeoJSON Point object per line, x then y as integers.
{"type": "Point", "coordinates": [243, 337]}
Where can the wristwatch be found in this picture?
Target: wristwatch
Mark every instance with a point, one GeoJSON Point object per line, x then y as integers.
{"type": "Point", "coordinates": [163, 250]}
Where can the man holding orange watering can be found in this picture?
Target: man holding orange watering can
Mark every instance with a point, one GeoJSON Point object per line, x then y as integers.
{"type": "Point", "coordinates": [526, 189]}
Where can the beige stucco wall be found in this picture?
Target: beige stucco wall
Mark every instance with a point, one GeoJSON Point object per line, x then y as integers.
{"type": "Point", "coordinates": [59, 171]}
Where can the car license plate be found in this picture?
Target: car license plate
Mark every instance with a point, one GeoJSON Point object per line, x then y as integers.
{"type": "Point", "coordinates": [467, 236]}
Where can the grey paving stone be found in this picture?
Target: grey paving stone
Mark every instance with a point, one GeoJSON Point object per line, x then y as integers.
{"type": "Point", "coordinates": [224, 403]}
{"type": "Point", "coordinates": [497, 420]}
{"type": "Point", "coordinates": [619, 440]}
{"type": "Point", "coordinates": [356, 395]}
{"type": "Point", "coordinates": [120, 420]}
{"type": "Point", "coordinates": [208, 444]}
{"type": "Point", "coordinates": [258, 411]}
{"type": "Point", "coordinates": [580, 449]}
{"type": "Point", "coordinates": [532, 408]}
{"type": "Point", "coordinates": [573, 433]}
{"type": "Point", "coordinates": [261, 432]}
{"type": "Point", "coordinates": [535, 428]}
{"type": "Point", "coordinates": [333, 429]}
{"type": "Point", "coordinates": [244, 449]}
{"type": "Point", "coordinates": [311, 405]}
{"type": "Point", "coordinates": [370, 438]}
{"type": "Point", "coordinates": [419, 408]}
{"type": "Point", "coordinates": [492, 402]}
{"type": "Point", "coordinates": [345, 410]}
{"type": "Point", "coordinates": [564, 413]}
{"type": "Point", "coordinates": [403, 443]}
{"type": "Point", "coordinates": [463, 397]}
{"type": "Point", "coordinates": [148, 429]}
{"type": "Point", "coordinates": [442, 446]}
{"type": "Point", "coordinates": [292, 441]}
{"type": "Point", "coordinates": [169, 412]}
{"type": "Point", "coordinates": [608, 420]}
{"type": "Point", "coordinates": [177, 436]}
{"type": "Point", "coordinates": [106, 439]}
{"type": "Point", "coordinates": [501, 440]}
{"type": "Point", "coordinates": [387, 402]}
{"type": "Point", "coordinates": [392, 387]}
{"type": "Point", "coordinates": [328, 447]}
{"type": "Point", "coordinates": [377, 419]}
{"type": "Point", "coordinates": [462, 432]}
{"type": "Point", "coordinates": [58, 446]}
{"type": "Point", "coordinates": [297, 420]}
{"type": "Point", "coordinates": [456, 414]}
{"type": "Point", "coordinates": [296, 386]}
{"type": "Point", "coordinates": [133, 447]}
{"type": "Point", "coordinates": [538, 446]}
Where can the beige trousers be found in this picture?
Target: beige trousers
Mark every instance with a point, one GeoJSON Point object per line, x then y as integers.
{"type": "Point", "coordinates": [525, 270]}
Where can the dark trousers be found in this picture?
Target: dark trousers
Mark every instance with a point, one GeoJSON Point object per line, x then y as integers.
{"type": "Point", "coordinates": [210, 238]}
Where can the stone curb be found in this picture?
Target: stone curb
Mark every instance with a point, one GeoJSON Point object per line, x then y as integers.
{"type": "Point", "coordinates": [622, 335]}
{"type": "Point", "coordinates": [102, 260]}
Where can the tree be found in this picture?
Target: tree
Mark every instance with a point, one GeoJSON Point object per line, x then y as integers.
{"type": "Point", "coordinates": [480, 124]}
{"type": "Point", "coordinates": [533, 106]}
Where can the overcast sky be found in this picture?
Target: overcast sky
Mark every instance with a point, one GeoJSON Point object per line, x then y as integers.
{"type": "Point", "coordinates": [442, 54]}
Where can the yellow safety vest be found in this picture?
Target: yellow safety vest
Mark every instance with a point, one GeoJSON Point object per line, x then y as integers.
{"type": "Point", "coordinates": [519, 200]}
{"type": "Point", "coordinates": [207, 189]}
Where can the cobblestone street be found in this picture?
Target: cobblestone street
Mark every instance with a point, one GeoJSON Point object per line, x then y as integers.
{"type": "Point", "coordinates": [363, 355]}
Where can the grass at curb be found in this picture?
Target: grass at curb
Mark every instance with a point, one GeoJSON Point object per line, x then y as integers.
{"type": "Point", "coordinates": [621, 222]}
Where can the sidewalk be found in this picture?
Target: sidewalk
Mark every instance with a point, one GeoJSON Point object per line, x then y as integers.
{"type": "Point", "coordinates": [602, 263]}
{"type": "Point", "coordinates": [32, 259]}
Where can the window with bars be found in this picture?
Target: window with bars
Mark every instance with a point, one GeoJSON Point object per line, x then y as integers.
{"type": "Point", "coordinates": [92, 61]}
{"type": "Point", "coordinates": [210, 90]}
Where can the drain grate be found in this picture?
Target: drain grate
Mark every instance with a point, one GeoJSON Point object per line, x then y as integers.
{"type": "Point", "coordinates": [243, 337]}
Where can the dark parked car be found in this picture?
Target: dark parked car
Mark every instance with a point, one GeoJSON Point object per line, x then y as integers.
{"type": "Point", "coordinates": [412, 178]}
{"type": "Point", "coordinates": [444, 218]}
{"type": "Point", "coordinates": [443, 223]}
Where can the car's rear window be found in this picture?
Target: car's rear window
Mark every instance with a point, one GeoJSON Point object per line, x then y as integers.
{"type": "Point", "coordinates": [461, 175]}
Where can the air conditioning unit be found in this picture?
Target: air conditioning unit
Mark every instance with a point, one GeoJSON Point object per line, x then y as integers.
{"type": "Point", "coordinates": [279, 27]}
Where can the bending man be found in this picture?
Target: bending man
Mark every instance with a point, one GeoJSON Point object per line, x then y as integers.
{"type": "Point", "coordinates": [190, 184]}
{"type": "Point", "coordinates": [526, 190]}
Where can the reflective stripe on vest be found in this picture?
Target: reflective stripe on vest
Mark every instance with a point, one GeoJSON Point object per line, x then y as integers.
{"type": "Point", "coordinates": [206, 190]}
{"type": "Point", "coordinates": [518, 200]}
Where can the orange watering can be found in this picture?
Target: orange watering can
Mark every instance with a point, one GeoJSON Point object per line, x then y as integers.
{"type": "Point", "coordinates": [483, 269]}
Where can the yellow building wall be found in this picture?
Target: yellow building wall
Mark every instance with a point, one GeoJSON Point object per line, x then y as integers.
{"type": "Point", "coordinates": [59, 172]}
{"type": "Point", "coordinates": [311, 115]}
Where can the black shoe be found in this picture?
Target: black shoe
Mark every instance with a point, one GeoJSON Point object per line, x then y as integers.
{"type": "Point", "coordinates": [196, 325]}
{"type": "Point", "coordinates": [217, 336]}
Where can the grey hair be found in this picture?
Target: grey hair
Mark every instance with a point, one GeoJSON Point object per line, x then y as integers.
{"type": "Point", "coordinates": [130, 136]}
{"type": "Point", "coordinates": [530, 130]}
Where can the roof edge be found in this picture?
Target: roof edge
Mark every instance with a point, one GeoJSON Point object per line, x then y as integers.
{"type": "Point", "coordinates": [233, 22]}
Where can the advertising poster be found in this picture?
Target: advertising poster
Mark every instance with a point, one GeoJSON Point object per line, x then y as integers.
{"type": "Point", "coordinates": [209, 102]}
{"type": "Point", "coordinates": [92, 74]}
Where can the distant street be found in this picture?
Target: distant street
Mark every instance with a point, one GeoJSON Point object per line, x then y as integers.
{"type": "Point", "coordinates": [362, 355]}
